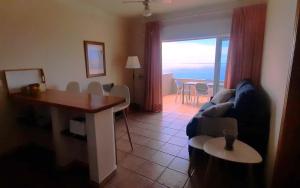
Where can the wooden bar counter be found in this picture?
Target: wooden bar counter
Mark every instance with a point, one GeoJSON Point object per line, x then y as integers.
{"type": "Point", "coordinates": [99, 127]}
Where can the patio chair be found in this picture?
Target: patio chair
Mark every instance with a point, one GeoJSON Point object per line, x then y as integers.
{"type": "Point", "coordinates": [179, 90]}
{"type": "Point", "coordinates": [201, 89]}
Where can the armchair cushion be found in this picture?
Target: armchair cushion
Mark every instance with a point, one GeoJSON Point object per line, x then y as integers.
{"type": "Point", "coordinates": [223, 96]}
{"type": "Point", "coordinates": [217, 110]}
{"type": "Point", "coordinates": [205, 106]}
{"type": "Point", "coordinates": [200, 125]}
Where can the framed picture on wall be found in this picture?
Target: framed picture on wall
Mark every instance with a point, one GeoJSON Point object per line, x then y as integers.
{"type": "Point", "coordinates": [94, 58]}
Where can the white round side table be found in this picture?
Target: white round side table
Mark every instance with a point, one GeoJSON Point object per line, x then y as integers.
{"type": "Point", "coordinates": [241, 153]}
{"type": "Point", "coordinates": [196, 142]}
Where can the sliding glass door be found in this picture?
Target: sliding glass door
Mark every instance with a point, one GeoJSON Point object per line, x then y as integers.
{"type": "Point", "coordinates": [199, 60]}
{"type": "Point", "coordinates": [222, 46]}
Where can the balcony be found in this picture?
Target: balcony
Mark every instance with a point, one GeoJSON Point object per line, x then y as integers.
{"type": "Point", "coordinates": [173, 102]}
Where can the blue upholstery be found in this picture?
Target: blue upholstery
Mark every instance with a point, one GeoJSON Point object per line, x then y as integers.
{"type": "Point", "coordinates": [252, 115]}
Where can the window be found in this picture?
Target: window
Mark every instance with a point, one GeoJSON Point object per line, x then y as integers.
{"type": "Point", "coordinates": [202, 59]}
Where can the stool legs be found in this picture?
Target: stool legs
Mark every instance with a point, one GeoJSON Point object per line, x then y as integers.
{"type": "Point", "coordinates": [128, 133]}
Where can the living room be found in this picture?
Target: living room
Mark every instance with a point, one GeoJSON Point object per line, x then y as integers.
{"type": "Point", "coordinates": [152, 144]}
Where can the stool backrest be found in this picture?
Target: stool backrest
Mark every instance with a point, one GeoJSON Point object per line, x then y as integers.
{"type": "Point", "coordinates": [73, 87]}
{"type": "Point", "coordinates": [95, 88]}
{"type": "Point", "coordinates": [121, 91]}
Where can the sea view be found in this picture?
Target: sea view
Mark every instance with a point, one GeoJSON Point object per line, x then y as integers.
{"type": "Point", "coordinates": [194, 59]}
{"type": "Point", "coordinates": [206, 72]}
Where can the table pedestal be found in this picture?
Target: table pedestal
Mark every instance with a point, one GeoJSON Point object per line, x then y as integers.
{"type": "Point", "coordinates": [100, 143]}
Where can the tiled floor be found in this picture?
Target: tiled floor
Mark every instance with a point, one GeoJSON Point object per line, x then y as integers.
{"type": "Point", "coordinates": [160, 155]}
{"type": "Point", "coordinates": [171, 104]}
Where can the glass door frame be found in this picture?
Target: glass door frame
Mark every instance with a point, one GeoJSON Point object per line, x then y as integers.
{"type": "Point", "coordinates": [218, 58]}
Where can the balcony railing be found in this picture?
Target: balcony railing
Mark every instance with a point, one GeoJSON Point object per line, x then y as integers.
{"type": "Point", "coordinates": [169, 86]}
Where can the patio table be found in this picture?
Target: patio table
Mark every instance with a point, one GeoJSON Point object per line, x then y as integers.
{"type": "Point", "coordinates": [189, 84]}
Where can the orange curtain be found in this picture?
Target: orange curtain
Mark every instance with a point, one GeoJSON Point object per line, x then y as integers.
{"type": "Point", "coordinates": [246, 45]}
{"type": "Point", "coordinates": [153, 68]}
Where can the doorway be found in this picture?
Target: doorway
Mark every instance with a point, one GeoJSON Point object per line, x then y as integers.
{"type": "Point", "coordinates": [186, 63]}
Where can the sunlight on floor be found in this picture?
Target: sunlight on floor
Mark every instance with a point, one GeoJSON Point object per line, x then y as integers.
{"type": "Point", "coordinates": [170, 104]}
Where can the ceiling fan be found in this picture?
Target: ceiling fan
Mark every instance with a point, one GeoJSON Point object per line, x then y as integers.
{"type": "Point", "coordinates": [147, 11]}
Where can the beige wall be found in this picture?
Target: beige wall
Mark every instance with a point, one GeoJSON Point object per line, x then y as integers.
{"type": "Point", "coordinates": [136, 48]}
{"type": "Point", "coordinates": [278, 50]}
{"type": "Point", "coordinates": [50, 34]}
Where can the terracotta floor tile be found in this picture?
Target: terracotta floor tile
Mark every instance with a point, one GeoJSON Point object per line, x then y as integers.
{"type": "Point", "coordinates": [137, 130]}
{"type": "Point", "coordinates": [161, 137]}
{"type": "Point", "coordinates": [155, 144]}
{"type": "Point", "coordinates": [169, 131]}
{"type": "Point", "coordinates": [144, 152]}
{"type": "Point", "coordinates": [181, 134]}
{"type": "Point", "coordinates": [121, 175]}
{"type": "Point", "coordinates": [132, 162]}
{"type": "Point", "coordinates": [162, 158]}
{"type": "Point", "coordinates": [121, 155]}
{"type": "Point", "coordinates": [150, 170]}
{"type": "Point", "coordinates": [184, 153]}
{"type": "Point", "coordinates": [120, 127]}
{"type": "Point", "coordinates": [157, 185]}
{"type": "Point", "coordinates": [178, 141]}
{"type": "Point", "coordinates": [171, 149]}
{"type": "Point", "coordinates": [137, 139]}
{"type": "Point", "coordinates": [152, 127]}
{"type": "Point", "coordinates": [123, 145]}
{"type": "Point", "coordinates": [131, 180]}
{"type": "Point", "coordinates": [180, 165]}
{"type": "Point", "coordinates": [173, 179]}
{"type": "Point", "coordinates": [119, 134]}
{"type": "Point", "coordinates": [151, 132]}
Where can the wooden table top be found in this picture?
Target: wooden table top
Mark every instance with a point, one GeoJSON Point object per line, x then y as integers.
{"type": "Point", "coordinates": [81, 101]}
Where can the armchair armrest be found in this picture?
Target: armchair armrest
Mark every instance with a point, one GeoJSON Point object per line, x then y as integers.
{"type": "Point", "coordinates": [215, 126]}
{"type": "Point", "coordinates": [210, 126]}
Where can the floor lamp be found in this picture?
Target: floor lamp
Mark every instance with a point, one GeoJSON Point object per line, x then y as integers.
{"type": "Point", "coordinates": [133, 63]}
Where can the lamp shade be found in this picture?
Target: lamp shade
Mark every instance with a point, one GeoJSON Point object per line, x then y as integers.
{"type": "Point", "coordinates": [133, 62]}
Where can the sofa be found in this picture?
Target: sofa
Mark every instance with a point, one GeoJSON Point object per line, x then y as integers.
{"type": "Point", "coordinates": [248, 107]}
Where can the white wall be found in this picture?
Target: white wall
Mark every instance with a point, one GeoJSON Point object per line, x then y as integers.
{"type": "Point", "coordinates": [278, 50]}
{"type": "Point", "coordinates": [50, 34]}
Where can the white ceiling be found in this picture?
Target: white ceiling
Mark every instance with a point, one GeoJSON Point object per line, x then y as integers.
{"type": "Point", "coordinates": [157, 6]}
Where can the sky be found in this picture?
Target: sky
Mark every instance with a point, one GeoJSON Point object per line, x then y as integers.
{"type": "Point", "coordinates": [188, 54]}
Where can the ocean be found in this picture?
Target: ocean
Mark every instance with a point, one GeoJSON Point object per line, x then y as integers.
{"type": "Point", "coordinates": [206, 72]}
